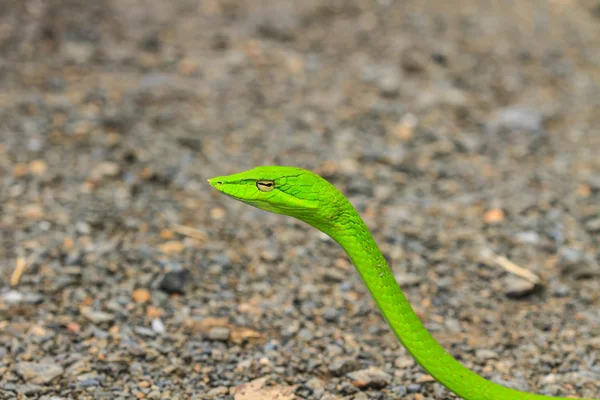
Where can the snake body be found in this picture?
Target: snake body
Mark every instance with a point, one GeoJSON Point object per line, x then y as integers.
{"type": "Point", "coordinates": [310, 198]}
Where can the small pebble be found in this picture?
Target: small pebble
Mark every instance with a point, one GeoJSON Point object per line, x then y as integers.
{"type": "Point", "coordinates": [371, 377]}
{"type": "Point", "coordinates": [408, 280]}
{"type": "Point", "coordinates": [141, 296]}
{"type": "Point", "coordinates": [517, 287]}
{"type": "Point", "coordinates": [317, 387]}
{"type": "Point", "coordinates": [333, 276]}
{"type": "Point", "coordinates": [413, 388]}
{"type": "Point", "coordinates": [219, 333]}
{"type": "Point", "coordinates": [486, 354]}
{"type": "Point", "coordinates": [97, 317]}
{"type": "Point", "coordinates": [331, 314]}
{"type": "Point", "coordinates": [38, 373]}
{"type": "Point", "coordinates": [343, 365]}
{"type": "Point", "coordinates": [158, 326]}
{"type": "Point", "coordinates": [174, 282]}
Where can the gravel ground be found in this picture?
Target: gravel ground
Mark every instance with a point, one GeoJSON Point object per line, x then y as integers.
{"type": "Point", "coordinates": [465, 132]}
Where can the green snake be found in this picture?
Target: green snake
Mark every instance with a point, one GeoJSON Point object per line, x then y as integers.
{"type": "Point", "coordinates": [310, 198]}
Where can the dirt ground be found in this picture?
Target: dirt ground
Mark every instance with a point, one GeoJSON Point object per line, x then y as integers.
{"type": "Point", "coordinates": [467, 133]}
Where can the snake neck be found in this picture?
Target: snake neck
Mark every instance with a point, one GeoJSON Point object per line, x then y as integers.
{"type": "Point", "coordinates": [349, 230]}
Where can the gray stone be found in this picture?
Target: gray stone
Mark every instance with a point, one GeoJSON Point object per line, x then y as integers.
{"type": "Point", "coordinates": [485, 354]}
{"type": "Point", "coordinates": [593, 225]}
{"type": "Point", "coordinates": [174, 281]}
{"type": "Point", "coordinates": [408, 279]}
{"type": "Point", "coordinates": [317, 386]}
{"type": "Point", "coordinates": [38, 373]}
{"type": "Point", "coordinates": [389, 82]}
{"type": "Point", "coordinates": [516, 118]}
{"type": "Point", "coordinates": [370, 378]}
{"type": "Point", "coordinates": [331, 314]}
{"type": "Point", "coordinates": [578, 263]}
{"type": "Point", "coordinates": [29, 389]}
{"type": "Point", "coordinates": [97, 317]}
{"type": "Point", "coordinates": [561, 291]}
{"type": "Point", "coordinates": [220, 333]}
{"type": "Point", "coordinates": [158, 326]}
{"type": "Point", "coordinates": [528, 237]}
{"type": "Point", "coordinates": [143, 331]}
{"type": "Point", "coordinates": [516, 287]}
{"type": "Point", "coordinates": [414, 388]}
{"type": "Point", "coordinates": [333, 276]}
{"type": "Point", "coordinates": [399, 390]}
{"type": "Point", "coordinates": [343, 365]}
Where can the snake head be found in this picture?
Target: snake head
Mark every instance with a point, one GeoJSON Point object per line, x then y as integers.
{"type": "Point", "coordinates": [281, 190]}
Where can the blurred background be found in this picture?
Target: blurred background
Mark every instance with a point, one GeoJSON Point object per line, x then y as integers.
{"type": "Point", "coordinates": [467, 134]}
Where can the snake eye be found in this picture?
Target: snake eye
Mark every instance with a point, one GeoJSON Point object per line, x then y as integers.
{"type": "Point", "coordinates": [265, 186]}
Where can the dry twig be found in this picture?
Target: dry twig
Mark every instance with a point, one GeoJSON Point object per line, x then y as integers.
{"type": "Point", "coordinates": [510, 266]}
{"type": "Point", "coordinates": [189, 231]}
{"type": "Point", "coordinates": [21, 265]}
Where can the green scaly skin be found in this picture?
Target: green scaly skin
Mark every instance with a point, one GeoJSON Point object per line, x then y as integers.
{"type": "Point", "coordinates": [308, 197]}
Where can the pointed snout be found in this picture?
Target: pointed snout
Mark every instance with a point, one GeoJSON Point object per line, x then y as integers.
{"type": "Point", "coordinates": [228, 185]}
{"type": "Point", "coordinates": [216, 182]}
